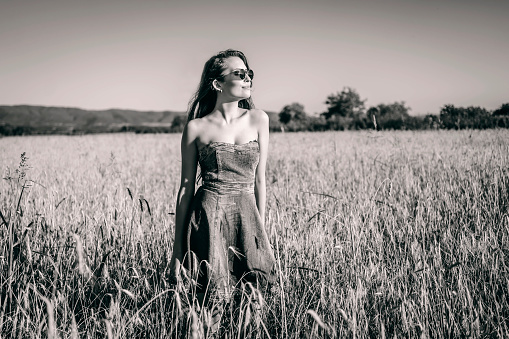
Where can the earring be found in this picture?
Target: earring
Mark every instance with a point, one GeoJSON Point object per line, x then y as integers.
{"type": "Point", "coordinates": [220, 90]}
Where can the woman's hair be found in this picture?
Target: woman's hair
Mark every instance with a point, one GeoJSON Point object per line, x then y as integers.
{"type": "Point", "coordinates": [204, 100]}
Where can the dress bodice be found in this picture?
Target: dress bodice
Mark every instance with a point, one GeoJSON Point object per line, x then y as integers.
{"type": "Point", "coordinates": [228, 168]}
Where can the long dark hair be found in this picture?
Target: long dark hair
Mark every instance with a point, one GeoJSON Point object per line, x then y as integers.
{"type": "Point", "coordinates": [204, 100]}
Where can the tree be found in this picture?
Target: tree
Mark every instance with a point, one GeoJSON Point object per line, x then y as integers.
{"type": "Point", "coordinates": [503, 110]}
{"type": "Point", "coordinates": [461, 117]}
{"type": "Point", "coordinates": [346, 104]}
{"type": "Point", "coordinates": [178, 123]}
{"type": "Point", "coordinates": [389, 116]}
{"type": "Point", "coordinates": [450, 116]}
{"type": "Point", "coordinates": [292, 112]}
{"type": "Point", "coordinates": [396, 110]}
{"type": "Point", "coordinates": [432, 121]}
{"type": "Point", "coordinates": [373, 114]}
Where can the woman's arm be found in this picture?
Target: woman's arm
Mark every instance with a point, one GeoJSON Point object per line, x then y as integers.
{"type": "Point", "coordinates": [262, 123]}
{"type": "Point", "coordinates": [186, 192]}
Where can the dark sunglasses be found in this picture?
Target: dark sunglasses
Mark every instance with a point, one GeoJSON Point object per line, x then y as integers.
{"type": "Point", "coordinates": [241, 73]}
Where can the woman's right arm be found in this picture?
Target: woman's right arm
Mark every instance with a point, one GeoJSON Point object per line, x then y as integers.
{"type": "Point", "coordinates": [186, 192]}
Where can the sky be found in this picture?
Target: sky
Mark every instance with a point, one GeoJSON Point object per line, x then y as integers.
{"type": "Point", "coordinates": [149, 54]}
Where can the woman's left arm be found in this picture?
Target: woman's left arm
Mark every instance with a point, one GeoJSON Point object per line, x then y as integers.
{"type": "Point", "coordinates": [262, 123]}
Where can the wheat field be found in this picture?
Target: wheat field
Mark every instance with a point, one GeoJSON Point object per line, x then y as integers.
{"type": "Point", "coordinates": [376, 234]}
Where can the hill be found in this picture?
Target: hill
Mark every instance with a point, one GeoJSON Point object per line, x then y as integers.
{"type": "Point", "coordinates": [25, 119]}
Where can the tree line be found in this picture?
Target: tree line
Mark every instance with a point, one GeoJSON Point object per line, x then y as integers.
{"type": "Point", "coordinates": [346, 111]}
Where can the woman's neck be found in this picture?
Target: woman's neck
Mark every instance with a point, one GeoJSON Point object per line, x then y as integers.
{"type": "Point", "coordinates": [229, 110]}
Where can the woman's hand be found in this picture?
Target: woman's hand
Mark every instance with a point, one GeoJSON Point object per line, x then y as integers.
{"type": "Point", "coordinates": [175, 266]}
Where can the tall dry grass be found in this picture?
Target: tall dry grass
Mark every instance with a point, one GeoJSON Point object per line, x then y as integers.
{"type": "Point", "coordinates": [376, 235]}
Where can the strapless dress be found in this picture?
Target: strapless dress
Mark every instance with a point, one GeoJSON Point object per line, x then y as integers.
{"type": "Point", "coordinates": [226, 242]}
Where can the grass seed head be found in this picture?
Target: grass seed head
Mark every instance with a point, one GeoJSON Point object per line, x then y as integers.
{"type": "Point", "coordinates": [83, 267]}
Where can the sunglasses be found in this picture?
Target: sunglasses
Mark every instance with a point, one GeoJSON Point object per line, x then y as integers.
{"type": "Point", "coordinates": [241, 74]}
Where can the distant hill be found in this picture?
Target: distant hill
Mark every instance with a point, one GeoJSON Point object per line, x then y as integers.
{"type": "Point", "coordinates": [25, 119]}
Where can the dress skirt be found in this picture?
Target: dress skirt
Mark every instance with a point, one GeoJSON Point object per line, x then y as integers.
{"type": "Point", "coordinates": [226, 243]}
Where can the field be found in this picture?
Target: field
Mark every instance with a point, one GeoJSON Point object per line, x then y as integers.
{"type": "Point", "coordinates": [377, 234]}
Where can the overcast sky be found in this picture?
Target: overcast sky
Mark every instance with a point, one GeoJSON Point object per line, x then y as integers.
{"type": "Point", "coordinates": [149, 54]}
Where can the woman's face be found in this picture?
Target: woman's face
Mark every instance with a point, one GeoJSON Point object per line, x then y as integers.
{"type": "Point", "coordinates": [231, 84]}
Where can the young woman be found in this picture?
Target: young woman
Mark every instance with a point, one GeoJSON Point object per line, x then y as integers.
{"type": "Point", "coordinates": [219, 231]}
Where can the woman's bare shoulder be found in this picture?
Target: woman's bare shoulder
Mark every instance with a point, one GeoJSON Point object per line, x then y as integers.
{"type": "Point", "coordinates": [258, 117]}
{"type": "Point", "coordinates": [199, 128]}
{"type": "Point", "coordinates": [193, 129]}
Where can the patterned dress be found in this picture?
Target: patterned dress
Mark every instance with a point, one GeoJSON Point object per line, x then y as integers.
{"type": "Point", "coordinates": [226, 242]}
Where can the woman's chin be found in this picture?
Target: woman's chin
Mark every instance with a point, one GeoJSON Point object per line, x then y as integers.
{"type": "Point", "coordinates": [245, 96]}
{"type": "Point", "coordinates": [247, 92]}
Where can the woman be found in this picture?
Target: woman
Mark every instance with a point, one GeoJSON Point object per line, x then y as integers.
{"type": "Point", "coordinates": [219, 230]}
